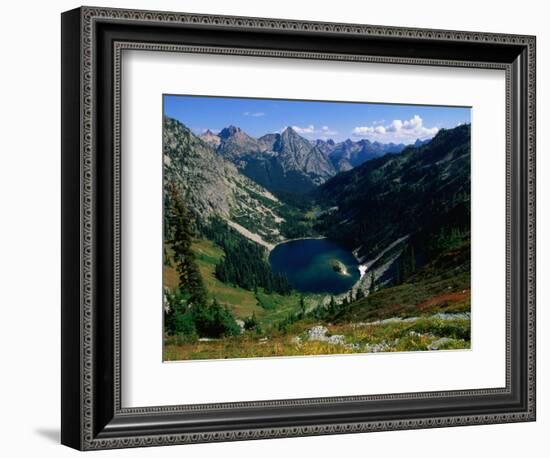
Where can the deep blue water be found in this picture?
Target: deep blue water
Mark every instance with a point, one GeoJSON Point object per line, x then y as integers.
{"type": "Point", "coordinates": [308, 263]}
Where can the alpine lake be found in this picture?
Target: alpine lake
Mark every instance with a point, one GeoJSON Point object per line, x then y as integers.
{"type": "Point", "coordinates": [315, 265]}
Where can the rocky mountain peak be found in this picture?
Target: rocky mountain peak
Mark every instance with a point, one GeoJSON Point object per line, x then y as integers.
{"type": "Point", "coordinates": [229, 131]}
{"type": "Point", "coordinates": [289, 132]}
{"type": "Point", "coordinates": [321, 142]}
{"type": "Point", "coordinates": [419, 142]}
{"type": "Point", "coordinates": [236, 144]}
{"type": "Point", "coordinates": [210, 138]}
{"type": "Point", "coordinates": [292, 147]}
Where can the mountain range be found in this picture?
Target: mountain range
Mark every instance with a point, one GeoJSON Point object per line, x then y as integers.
{"type": "Point", "coordinates": [284, 162]}
{"type": "Point", "coordinates": [287, 162]}
{"type": "Point", "coordinates": [349, 154]}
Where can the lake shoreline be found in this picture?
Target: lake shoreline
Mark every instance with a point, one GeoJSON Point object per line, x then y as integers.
{"type": "Point", "coordinates": [321, 237]}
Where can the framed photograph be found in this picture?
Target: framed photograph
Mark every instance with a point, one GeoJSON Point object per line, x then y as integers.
{"type": "Point", "coordinates": [276, 228]}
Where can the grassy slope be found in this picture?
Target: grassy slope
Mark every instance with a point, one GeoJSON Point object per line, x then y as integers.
{"type": "Point", "coordinates": [242, 302]}
{"type": "Point", "coordinates": [387, 337]}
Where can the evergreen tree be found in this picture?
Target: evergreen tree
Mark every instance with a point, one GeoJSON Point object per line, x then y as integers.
{"type": "Point", "coordinates": [244, 263]}
{"type": "Point", "coordinates": [372, 286]}
{"type": "Point", "coordinates": [332, 306]}
{"type": "Point", "coordinates": [189, 276]}
{"type": "Point", "coordinates": [406, 264]}
{"type": "Point", "coordinates": [251, 322]}
{"type": "Point", "coordinates": [214, 320]}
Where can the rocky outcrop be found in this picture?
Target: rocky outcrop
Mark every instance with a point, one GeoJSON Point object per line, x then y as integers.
{"type": "Point", "coordinates": [210, 138]}
{"type": "Point", "coordinates": [319, 334]}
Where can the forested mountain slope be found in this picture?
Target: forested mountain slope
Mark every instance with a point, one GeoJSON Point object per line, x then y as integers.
{"type": "Point", "coordinates": [424, 189]}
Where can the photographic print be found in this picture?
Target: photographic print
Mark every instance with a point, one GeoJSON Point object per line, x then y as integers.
{"type": "Point", "coordinates": [298, 227]}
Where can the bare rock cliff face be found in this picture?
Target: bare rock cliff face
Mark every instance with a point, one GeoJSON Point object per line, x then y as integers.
{"type": "Point", "coordinates": [296, 152]}
{"type": "Point", "coordinates": [210, 138]}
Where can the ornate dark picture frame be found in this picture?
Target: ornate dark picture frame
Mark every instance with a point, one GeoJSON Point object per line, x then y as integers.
{"type": "Point", "coordinates": [92, 42]}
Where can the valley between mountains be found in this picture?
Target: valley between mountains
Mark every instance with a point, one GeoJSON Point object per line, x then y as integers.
{"type": "Point", "coordinates": [281, 246]}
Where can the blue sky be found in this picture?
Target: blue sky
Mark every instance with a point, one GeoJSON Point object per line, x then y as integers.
{"type": "Point", "coordinates": [313, 120]}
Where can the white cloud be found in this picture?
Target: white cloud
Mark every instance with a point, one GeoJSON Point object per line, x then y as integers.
{"type": "Point", "coordinates": [365, 131]}
{"type": "Point", "coordinates": [395, 126]}
{"type": "Point", "coordinates": [304, 130]}
{"type": "Point", "coordinates": [257, 114]}
{"type": "Point", "coordinates": [414, 123]}
{"type": "Point", "coordinates": [312, 132]}
{"type": "Point", "coordinates": [399, 130]}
